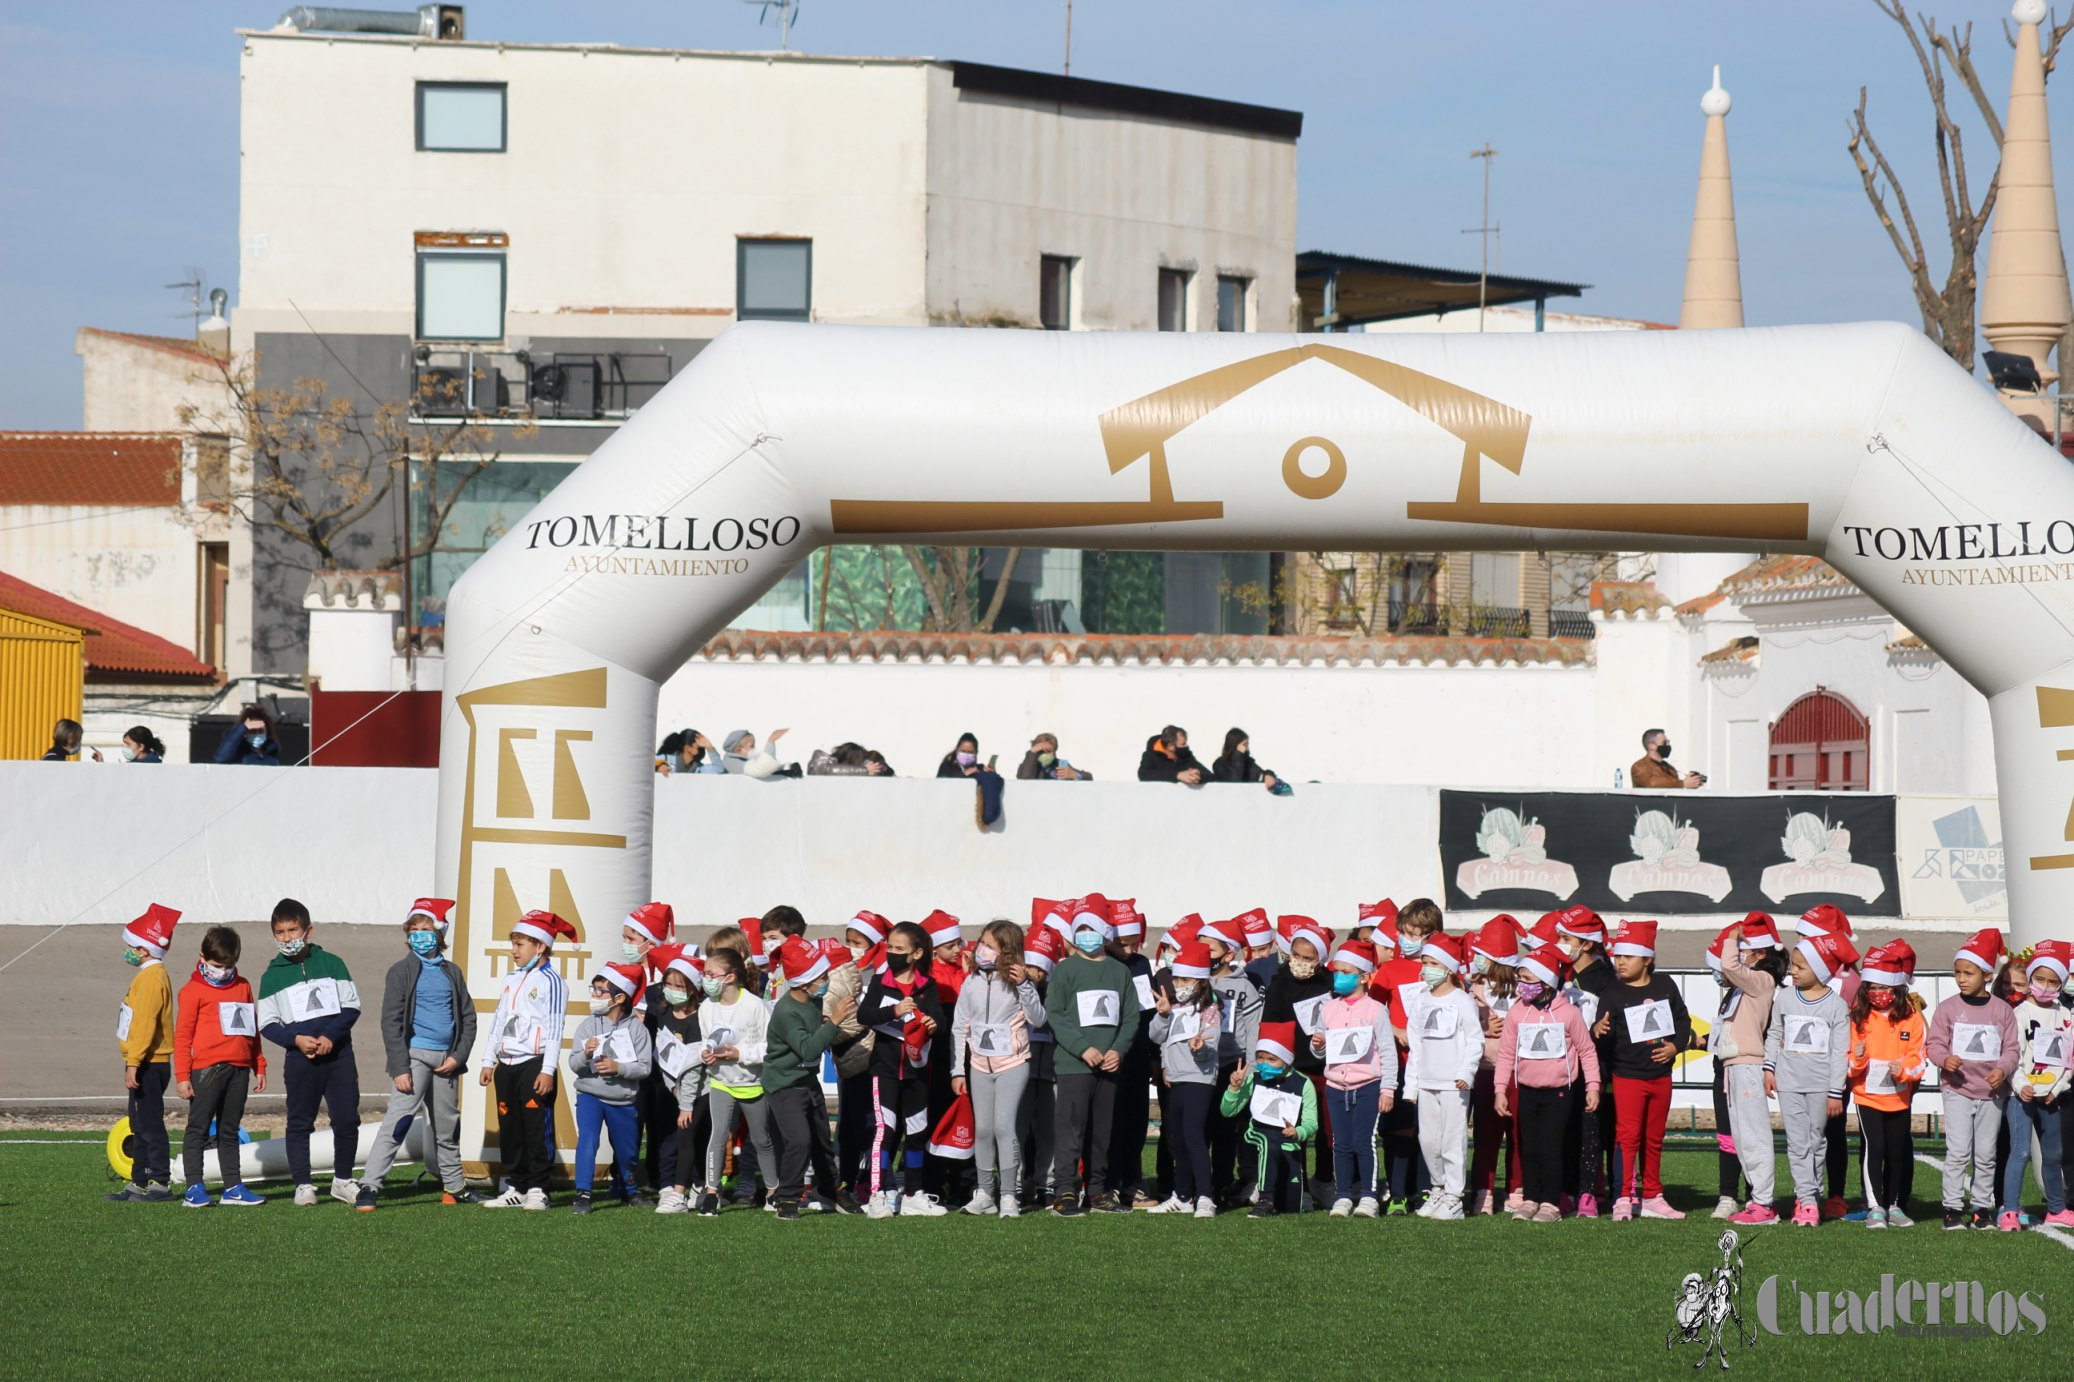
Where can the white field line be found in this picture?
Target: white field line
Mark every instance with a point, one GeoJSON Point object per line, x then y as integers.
{"type": "Point", "coordinates": [2058, 1235]}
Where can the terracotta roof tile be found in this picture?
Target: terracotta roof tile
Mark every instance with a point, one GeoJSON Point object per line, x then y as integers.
{"type": "Point", "coordinates": [1783, 573]}
{"type": "Point", "coordinates": [1630, 598]}
{"type": "Point", "coordinates": [125, 468]}
{"type": "Point", "coordinates": [1742, 649]}
{"type": "Point", "coordinates": [1700, 604]}
{"type": "Point", "coordinates": [1910, 643]}
{"type": "Point", "coordinates": [115, 651]}
{"type": "Point", "coordinates": [1162, 649]}
{"type": "Point", "coordinates": [170, 345]}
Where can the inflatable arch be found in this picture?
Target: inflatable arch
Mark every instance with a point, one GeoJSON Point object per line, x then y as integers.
{"type": "Point", "coordinates": [1860, 444]}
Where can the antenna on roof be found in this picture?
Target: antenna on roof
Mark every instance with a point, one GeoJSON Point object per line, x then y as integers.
{"type": "Point", "coordinates": [1483, 277]}
{"type": "Point", "coordinates": [786, 9]}
{"type": "Point", "coordinates": [193, 284]}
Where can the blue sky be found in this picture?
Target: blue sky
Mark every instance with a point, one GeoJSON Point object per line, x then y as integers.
{"type": "Point", "coordinates": [119, 124]}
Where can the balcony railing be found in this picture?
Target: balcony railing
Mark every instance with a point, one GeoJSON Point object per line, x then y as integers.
{"type": "Point", "coordinates": [1416, 617]}
{"type": "Point", "coordinates": [1570, 623]}
{"type": "Point", "coordinates": [545, 386]}
{"type": "Point", "coordinates": [1496, 621]}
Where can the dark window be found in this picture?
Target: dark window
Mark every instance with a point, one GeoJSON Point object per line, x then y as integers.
{"type": "Point", "coordinates": [1173, 299]}
{"type": "Point", "coordinates": [1055, 292]}
{"type": "Point", "coordinates": [461, 117]}
{"type": "Point", "coordinates": [460, 295]}
{"type": "Point", "coordinates": [774, 280]}
{"type": "Point", "coordinates": [1231, 302]}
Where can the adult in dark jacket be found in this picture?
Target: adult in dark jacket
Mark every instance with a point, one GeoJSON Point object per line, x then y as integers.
{"type": "Point", "coordinates": [1236, 763]}
{"type": "Point", "coordinates": [1167, 759]}
{"type": "Point", "coordinates": [962, 761]}
{"type": "Point", "coordinates": [251, 740]}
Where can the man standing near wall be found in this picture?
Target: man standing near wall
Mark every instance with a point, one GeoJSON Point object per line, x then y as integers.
{"type": "Point", "coordinates": [1653, 768]}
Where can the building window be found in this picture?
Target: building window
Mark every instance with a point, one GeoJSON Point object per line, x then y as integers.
{"type": "Point", "coordinates": [1415, 596]}
{"type": "Point", "coordinates": [490, 502]}
{"type": "Point", "coordinates": [1342, 598]}
{"type": "Point", "coordinates": [1173, 299]}
{"type": "Point", "coordinates": [460, 295]}
{"type": "Point", "coordinates": [1231, 302]}
{"type": "Point", "coordinates": [1494, 597]}
{"type": "Point", "coordinates": [1821, 744]}
{"type": "Point", "coordinates": [1055, 292]}
{"type": "Point", "coordinates": [461, 117]}
{"type": "Point", "coordinates": [212, 600]}
{"type": "Point", "coordinates": [774, 280]}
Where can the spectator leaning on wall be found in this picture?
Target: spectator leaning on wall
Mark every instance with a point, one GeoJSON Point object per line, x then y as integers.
{"type": "Point", "coordinates": [1653, 768]}
{"type": "Point", "coordinates": [1042, 762]}
{"type": "Point", "coordinates": [251, 740]}
{"type": "Point", "coordinates": [1167, 759]}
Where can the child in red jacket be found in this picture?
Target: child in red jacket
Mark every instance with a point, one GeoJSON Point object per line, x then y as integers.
{"type": "Point", "coordinates": [216, 1056]}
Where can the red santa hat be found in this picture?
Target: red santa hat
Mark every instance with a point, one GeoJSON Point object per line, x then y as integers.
{"type": "Point", "coordinates": [628, 979]}
{"type": "Point", "coordinates": [1546, 963]}
{"type": "Point", "coordinates": [1359, 954]}
{"type": "Point", "coordinates": [942, 928]}
{"type": "Point", "coordinates": [1442, 950]}
{"type": "Point", "coordinates": [1223, 932]}
{"type": "Point", "coordinates": [654, 920]}
{"type": "Point", "coordinates": [1042, 949]}
{"type": "Point", "coordinates": [1277, 1039]}
{"type": "Point", "coordinates": [759, 950]}
{"type": "Point", "coordinates": [1543, 932]}
{"type": "Point", "coordinates": [1381, 915]}
{"type": "Point", "coordinates": [1045, 913]}
{"type": "Point", "coordinates": [1193, 961]}
{"type": "Point", "coordinates": [1254, 929]}
{"type": "Point", "coordinates": [1307, 930]}
{"type": "Point", "coordinates": [1088, 916]}
{"type": "Point", "coordinates": [1822, 954]}
{"type": "Point", "coordinates": [1846, 950]}
{"type": "Point", "coordinates": [675, 959]}
{"type": "Point", "coordinates": [1760, 932]}
{"type": "Point", "coordinates": [1825, 919]}
{"type": "Point", "coordinates": [1635, 938]}
{"type": "Point", "coordinates": [801, 961]}
{"type": "Point", "coordinates": [1892, 964]}
{"type": "Point", "coordinates": [1718, 947]}
{"type": "Point", "coordinates": [1126, 918]}
{"type": "Point", "coordinates": [152, 932]}
{"type": "Point", "coordinates": [1583, 923]}
{"type": "Point", "coordinates": [838, 954]}
{"type": "Point", "coordinates": [1984, 951]}
{"type": "Point", "coordinates": [871, 926]}
{"type": "Point", "coordinates": [544, 927]}
{"type": "Point", "coordinates": [2056, 956]}
{"type": "Point", "coordinates": [1187, 929]}
{"type": "Point", "coordinates": [437, 910]}
{"type": "Point", "coordinates": [1497, 940]}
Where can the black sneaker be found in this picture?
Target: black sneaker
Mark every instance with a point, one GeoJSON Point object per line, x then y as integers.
{"type": "Point", "coordinates": [845, 1205]}
{"type": "Point", "coordinates": [788, 1210]}
{"type": "Point", "coordinates": [1984, 1219]}
{"type": "Point", "coordinates": [1954, 1218]}
{"type": "Point", "coordinates": [364, 1201]}
{"type": "Point", "coordinates": [156, 1193]}
{"type": "Point", "coordinates": [461, 1196]}
{"type": "Point", "coordinates": [1111, 1203]}
{"type": "Point", "coordinates": [1068, 1207]}
{"type": "Point", "coordinates": [130, 1192]}
{"type": "Point", "coordinates": [1265, 1209]}
{"type": "Point", "coordinates": [637, 1200]}
{"type": "Point", "coordinates": [583, 1203]}
{"type": "Point", "coordinates": [709, 1205]}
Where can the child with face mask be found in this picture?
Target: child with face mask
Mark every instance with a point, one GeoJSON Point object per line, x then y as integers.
{"type": "Point", "coordinates": [611, 1056]}
{"type": "Point", "coordinates": [1886, 1065]}
{"type": "Point", "coordinates": [428, 1029]}
{"type": "Point", "coordinates": [1297, 992]}
{"type": "Point", "coordinates": [216, 1056]}
{"type": "Point", "coordinates": [905, 1009]}
{"type": "Point", "coordinates": [647, 927]}
{"type": "Point", "coordinates": [1646, 1018]}
{"type": "Point", "coordinates": [1091, 1006]}
{"type": "Point", "coordinates": [1806, 1055]}
{"type": "Point", "coordinates": [998, 1007]}
{"type": "Point", "coordinates": [1186, 1028]}
{"type": "Point", "coordinates": [144, 1034]}
{"type": "Point", "coordinates": [308, 1004]}
{"type": "Point", "coordinates": [800, 1033]}
{"type": "Point", "coordinates": [1494, 953]}
{"type": "Point", "coordinates": [1544, 1053]}
{"type": "Point", "coordinates": [1400, 937]}
{"type": "Point", "coordinates": [1359, 1049]}
{"type": "Point", "coordinates": [1446, 1043]}
{"type": "Point", "coordinates": [1973, 1043]}
{"type": "Point", "coordinates": [521, 1056]}
{"type": "Point", "coordinates": [2045, 1049]}
{"type": "Point", "coordinates": [1748, 963]}
{"type": "Point", "coordinates": [674, 1016]}
{"type": "Point", "coordinates": [1281, 1109]}
{"type": "Point", "coordinates": [735, 1022]}
{"type": "Point", "coordinates": [1036, 1121]}
{"type": "Point", "coordinates": [855, 1121]}
{"type": "Point", "coordinates": [1581, 935]}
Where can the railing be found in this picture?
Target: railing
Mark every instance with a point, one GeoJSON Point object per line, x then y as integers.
{"type": "Point", "coordinates": [1496, 621]}
{"type": "Point", "coordinates": [1570, 623]}
{"type": "Point", "coordinates": [547, 386]}
{"type": "Point", "coordinates": [1420, 617]}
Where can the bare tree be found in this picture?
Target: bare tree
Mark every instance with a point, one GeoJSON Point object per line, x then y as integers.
{"type": "Point", "coordinates": [1949, 309]}
{"type": "Point", "coordinates": [951, 586]}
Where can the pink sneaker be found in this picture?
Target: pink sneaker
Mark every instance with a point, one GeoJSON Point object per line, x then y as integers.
{"type": "Point", "coordinates": [1514, 1198]}
{"type": "Point", "coordinates": [1623, 1210]}
{"type": "Point", "coordinates": [1585, 1207]}
{"type": "Point", "coordinates": [1806, 1214]}
{"type": "Point", "coordinates": [1755, 1213]}
{"type": "Point", "coordinates": [2063, 1219]}
{"type": "Point", "coordinates": [1657, 1207]}
{"type": "Point", "coordinates": [1483, 1202]}
{"type": "Point", "coordinates": [2009, 1223]}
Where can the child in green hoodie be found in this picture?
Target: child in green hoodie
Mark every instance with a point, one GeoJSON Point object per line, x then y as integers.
{"type": "Point", "coordinates": [308, 1004]}
{"type": "Point", "coordinates": [1091, 1006]}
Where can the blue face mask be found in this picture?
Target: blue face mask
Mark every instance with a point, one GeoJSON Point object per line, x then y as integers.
{"type": "Point", "coordinates": [1345, 984]}
{"type": "Point", "coordinates": [1087, 943]}
{"type": "Point", "coordinates": [1268, 1070]}
{"type": "Point", "coordinates": [424, 944]}
{"type": "Point", "coordinates": [257, 741]}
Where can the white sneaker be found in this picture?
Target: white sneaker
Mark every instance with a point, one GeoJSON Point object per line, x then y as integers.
{"type": "Point", "coordinates": [1430, 1207]}
{"type": "Point", "coordinates": [347, 1190]}
{"type": "Point", "coordinates": [1725, 1207]}
{"type": "Point", "coordinates": [770, 1206]}
{"type": "Point", "coordinates": [671, 1201]}
{"type": "Point", "coordinates": [510, 1199]}
{"type": "Point", "coordinates": [535, 1199]}
{"type": "Point", "coordinates": [1368, 1208]}
{"type": "Point", "coordinates": [1011, 1208]}
{"type": "Point", "coordinates": [1205, 1207]}
{"type": "Point", "coordinates": [924, 1205]}
{"type": "Point", "coordinates": [1341, 1208]}
{"type": "Point", "coordinates": [881, 1206]}
{"type": "Point", "coordinates": [1172, 1204]}
{"type": "Point", "coordinates": [980, 1203]}
{"type": "Point", "coordinates": [305, 1195]}
{"type": "Point", "coordinates": [814, 1204]}
{"type": "Point", "coordinates": [1450, 1208]}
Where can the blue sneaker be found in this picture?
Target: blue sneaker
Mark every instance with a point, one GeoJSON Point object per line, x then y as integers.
{"type": "Point", "coordinates": [238, 1195]}
{"type": "Point", "coordinates": [197, 1197]}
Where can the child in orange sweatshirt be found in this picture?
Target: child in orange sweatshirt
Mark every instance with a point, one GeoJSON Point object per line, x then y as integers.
{"type": "Point", "coordinates": [1886, 1065]}
{"type": "Point", "coordinates": [215, 1057]}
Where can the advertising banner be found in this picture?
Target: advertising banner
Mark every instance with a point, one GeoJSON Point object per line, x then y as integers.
{"type": "Point", "coordinates": [1951, 858]}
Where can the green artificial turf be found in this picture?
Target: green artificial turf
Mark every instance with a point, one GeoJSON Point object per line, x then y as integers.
{"type": "Point", "coordinates": [417, 1289]}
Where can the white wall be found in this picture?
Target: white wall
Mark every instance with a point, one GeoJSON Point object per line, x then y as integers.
{"type": "Point", "coordinates": [128, 387]}
{"type": "Point", "coordinates": [136, 565]}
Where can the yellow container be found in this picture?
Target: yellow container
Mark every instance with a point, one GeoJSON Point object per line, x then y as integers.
{"type": "Point", "coordinates": [42, 681]}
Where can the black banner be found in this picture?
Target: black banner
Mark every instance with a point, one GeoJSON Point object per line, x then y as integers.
{"type": "Point", "coordinates": [1655, 854]}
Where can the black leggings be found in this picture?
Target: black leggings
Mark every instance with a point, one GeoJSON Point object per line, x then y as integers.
{"type": "Point", "coordinates": [1544, 1121]}
{"type": "Point", "coordinates": [1184, 1128]}
{"type": "Point", "coordinates": [1730, 1165]}
{"type": "Point", "coordinates": [903, 1128]}
{"type": "Point", "coordinates": [1890, 1152]}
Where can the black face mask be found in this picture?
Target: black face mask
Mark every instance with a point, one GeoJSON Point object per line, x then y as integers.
{"type": "Point", "coordinates": [1663, 750]}
{"type": "Point", "coordinates": [899, 963]}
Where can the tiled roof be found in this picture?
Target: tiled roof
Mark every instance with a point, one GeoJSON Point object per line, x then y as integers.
{"type": "Point", "coordinates": [1161, 649]}
{"type": "Point", "coordinates": [170, 345]}
{"type": "Point", "coordinates": [1630, 598]}
{"type": "Point", "coordinates": [1910, 643]}
{"type": "Point", "coordinates": [1700, 604]}
{"type": "Point", "coordinates": [115, 651]}
{"type": "Point", "coordinates": [99, 468]}
{"type": "Point", "coordinates": [1736, 650]}
{"type": "Point", "coordinates": [1785, 574]}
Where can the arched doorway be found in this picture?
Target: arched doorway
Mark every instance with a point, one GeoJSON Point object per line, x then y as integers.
{"type": "Point", "coordinates": [1821, 744]}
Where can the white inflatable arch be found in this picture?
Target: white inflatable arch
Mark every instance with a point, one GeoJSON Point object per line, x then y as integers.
{"type": "Point", "coordinates": [1860, 444]}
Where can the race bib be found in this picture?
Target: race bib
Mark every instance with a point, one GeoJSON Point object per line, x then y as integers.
{"type": "Point", "coordinates": [238, 1019]}
{"type": "Point", "coordinates": [1439, 1022]}
{"type": "Point", "coordinates": [315, 998]}
{"type": "Point", "coordinates": [1187, 1024]}
{"type": "Point", "coordinates": [1308, 1013]}
{"type": "Point", "coordinates": [1976, 1041]}
{"type": "Point", "coordinates": [1807, 1036]}
{"type": "Point", "coordinates": [521, 1032]}
{"type": "Point", "coordinates": [618, 1047]}
{"type": "Point", "coordinates": [672, 1054]}
{"type": "Point", "coordinates": [1276, 1109]}
{"type": "Point", "coordinates": [719, 1039]}
{"type": "Point", "coordinates": [1879, 1079]}
{"type": "Point", "coordinates": [1348, 1045]}
{"type": "Point", "coordinates": [1588, 1003]}
{"type": "Point", "coordinates": [1224, 1007]}
{"type": "Point", "coordinates": [1543, 1041]}
{"type": "Point", "coordinates": [2050, 1049]}
{"type": "Point", "coordinates": [1143, 984]}
{"type": "Point", "coordinates": [992, 1039]}
{"type": "Point", "coordinates": [1101, 1008]}
{"type": "Point", "coordinates": [1647, 1022]}
{"type": "Point", "coordinates": [122, 1022]}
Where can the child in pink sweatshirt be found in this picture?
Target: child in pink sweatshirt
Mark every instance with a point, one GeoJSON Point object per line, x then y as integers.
{"type": "Point", "coordinates": [1751, 964]}
{"type": "Point", "coordinates": [1545, 1046]}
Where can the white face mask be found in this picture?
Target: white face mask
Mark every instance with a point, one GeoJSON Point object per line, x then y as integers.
{"type": "Point", "coordinates": [1409, 945]}
{"type": "Point", "coordinates": [1433, 975]}
{"type": "Point", "coordinates": [1480, 965]}
{"type": "Point", "coordinates": [129, 755]}
{"type": "Point", "coordinates": [1184, 989]}
{"type": "Point", "coordinates": [600, 1006]}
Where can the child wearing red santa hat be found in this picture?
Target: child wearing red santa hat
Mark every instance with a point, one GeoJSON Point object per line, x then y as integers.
{"type": "Point", "coordinates": [1037, 1115]}
{"type": "Point", "coordinates": [1296, 991]}
{"type": "Point", "coordinates": [1827, 919]}
{"type": "Point", "coordinates": [520, 1056]}
{"type": "Point", "coordinates": [905, 1009]}
{"type": "Point", "coordinates": [864, 936]}
{"type": "Point", "coordinates": [1806, 1054]}
{"type": "Point", "coordinates": [1446, 1042]}
{"type": "Point", "coordinates": [1546, 1051]}
{"type": "Point", "coordinates": [1280, 1107]}
{"type": "Point", "coordinates": [801, 1032]}
{"type": "Point", "coordinates": [1359, 1048]}
{"type": "Point", "coordinates": [1494, 956]}
{"type": "Point", "coordinates": [678, 989]}
{"type": "Point", "coordinates": [612, 1054]}
{"type": "Point", "coordinates": [1580, 933]}
{"type": "Point", "coordinates": [1646, 1019]}
{"type": "Point", "coordinates": [1973, 1042]}
{"type": "Point", "coordinates": [428, 1029]}
{"type": "Point", "coordinates": [1886, 1064]}
{"type": "Point", "coordinates": [1187, 1023]}
{"type": "Point", "coordinates": [1749, 964]}
{"type": "Point", "coordinates": [2045, 1051]}
{"type": "Point", "coordinates": [144, 1035]}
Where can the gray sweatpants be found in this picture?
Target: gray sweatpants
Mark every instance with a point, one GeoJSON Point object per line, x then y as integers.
{"type": "Point", "coordinates": [1806, 1117]}
{"type": "Point", "coordinates": [1970, 1129]}
{"type": "Point", "coordinates": [444, 1094]}
{"type": "Point", "coordinates": [1750, 1124]}
{"type": "Point", "coordinates": [757, 1113]}
{"type": "Point", "coordinates": [995, 1101]}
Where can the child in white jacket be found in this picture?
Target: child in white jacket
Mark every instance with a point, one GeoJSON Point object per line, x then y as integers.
{"type": "Point", "coordinates": [1445, 1046]}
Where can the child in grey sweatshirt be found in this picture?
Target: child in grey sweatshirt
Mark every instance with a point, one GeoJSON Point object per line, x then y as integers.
{"type": "Point", "coordinates": [612, 1054]}
{"type": "Point", "coordinates": [1806, 1049]}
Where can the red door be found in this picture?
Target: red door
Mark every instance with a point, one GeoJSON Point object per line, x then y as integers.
{"type": "Point", "coordinates": [1821, 744]}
